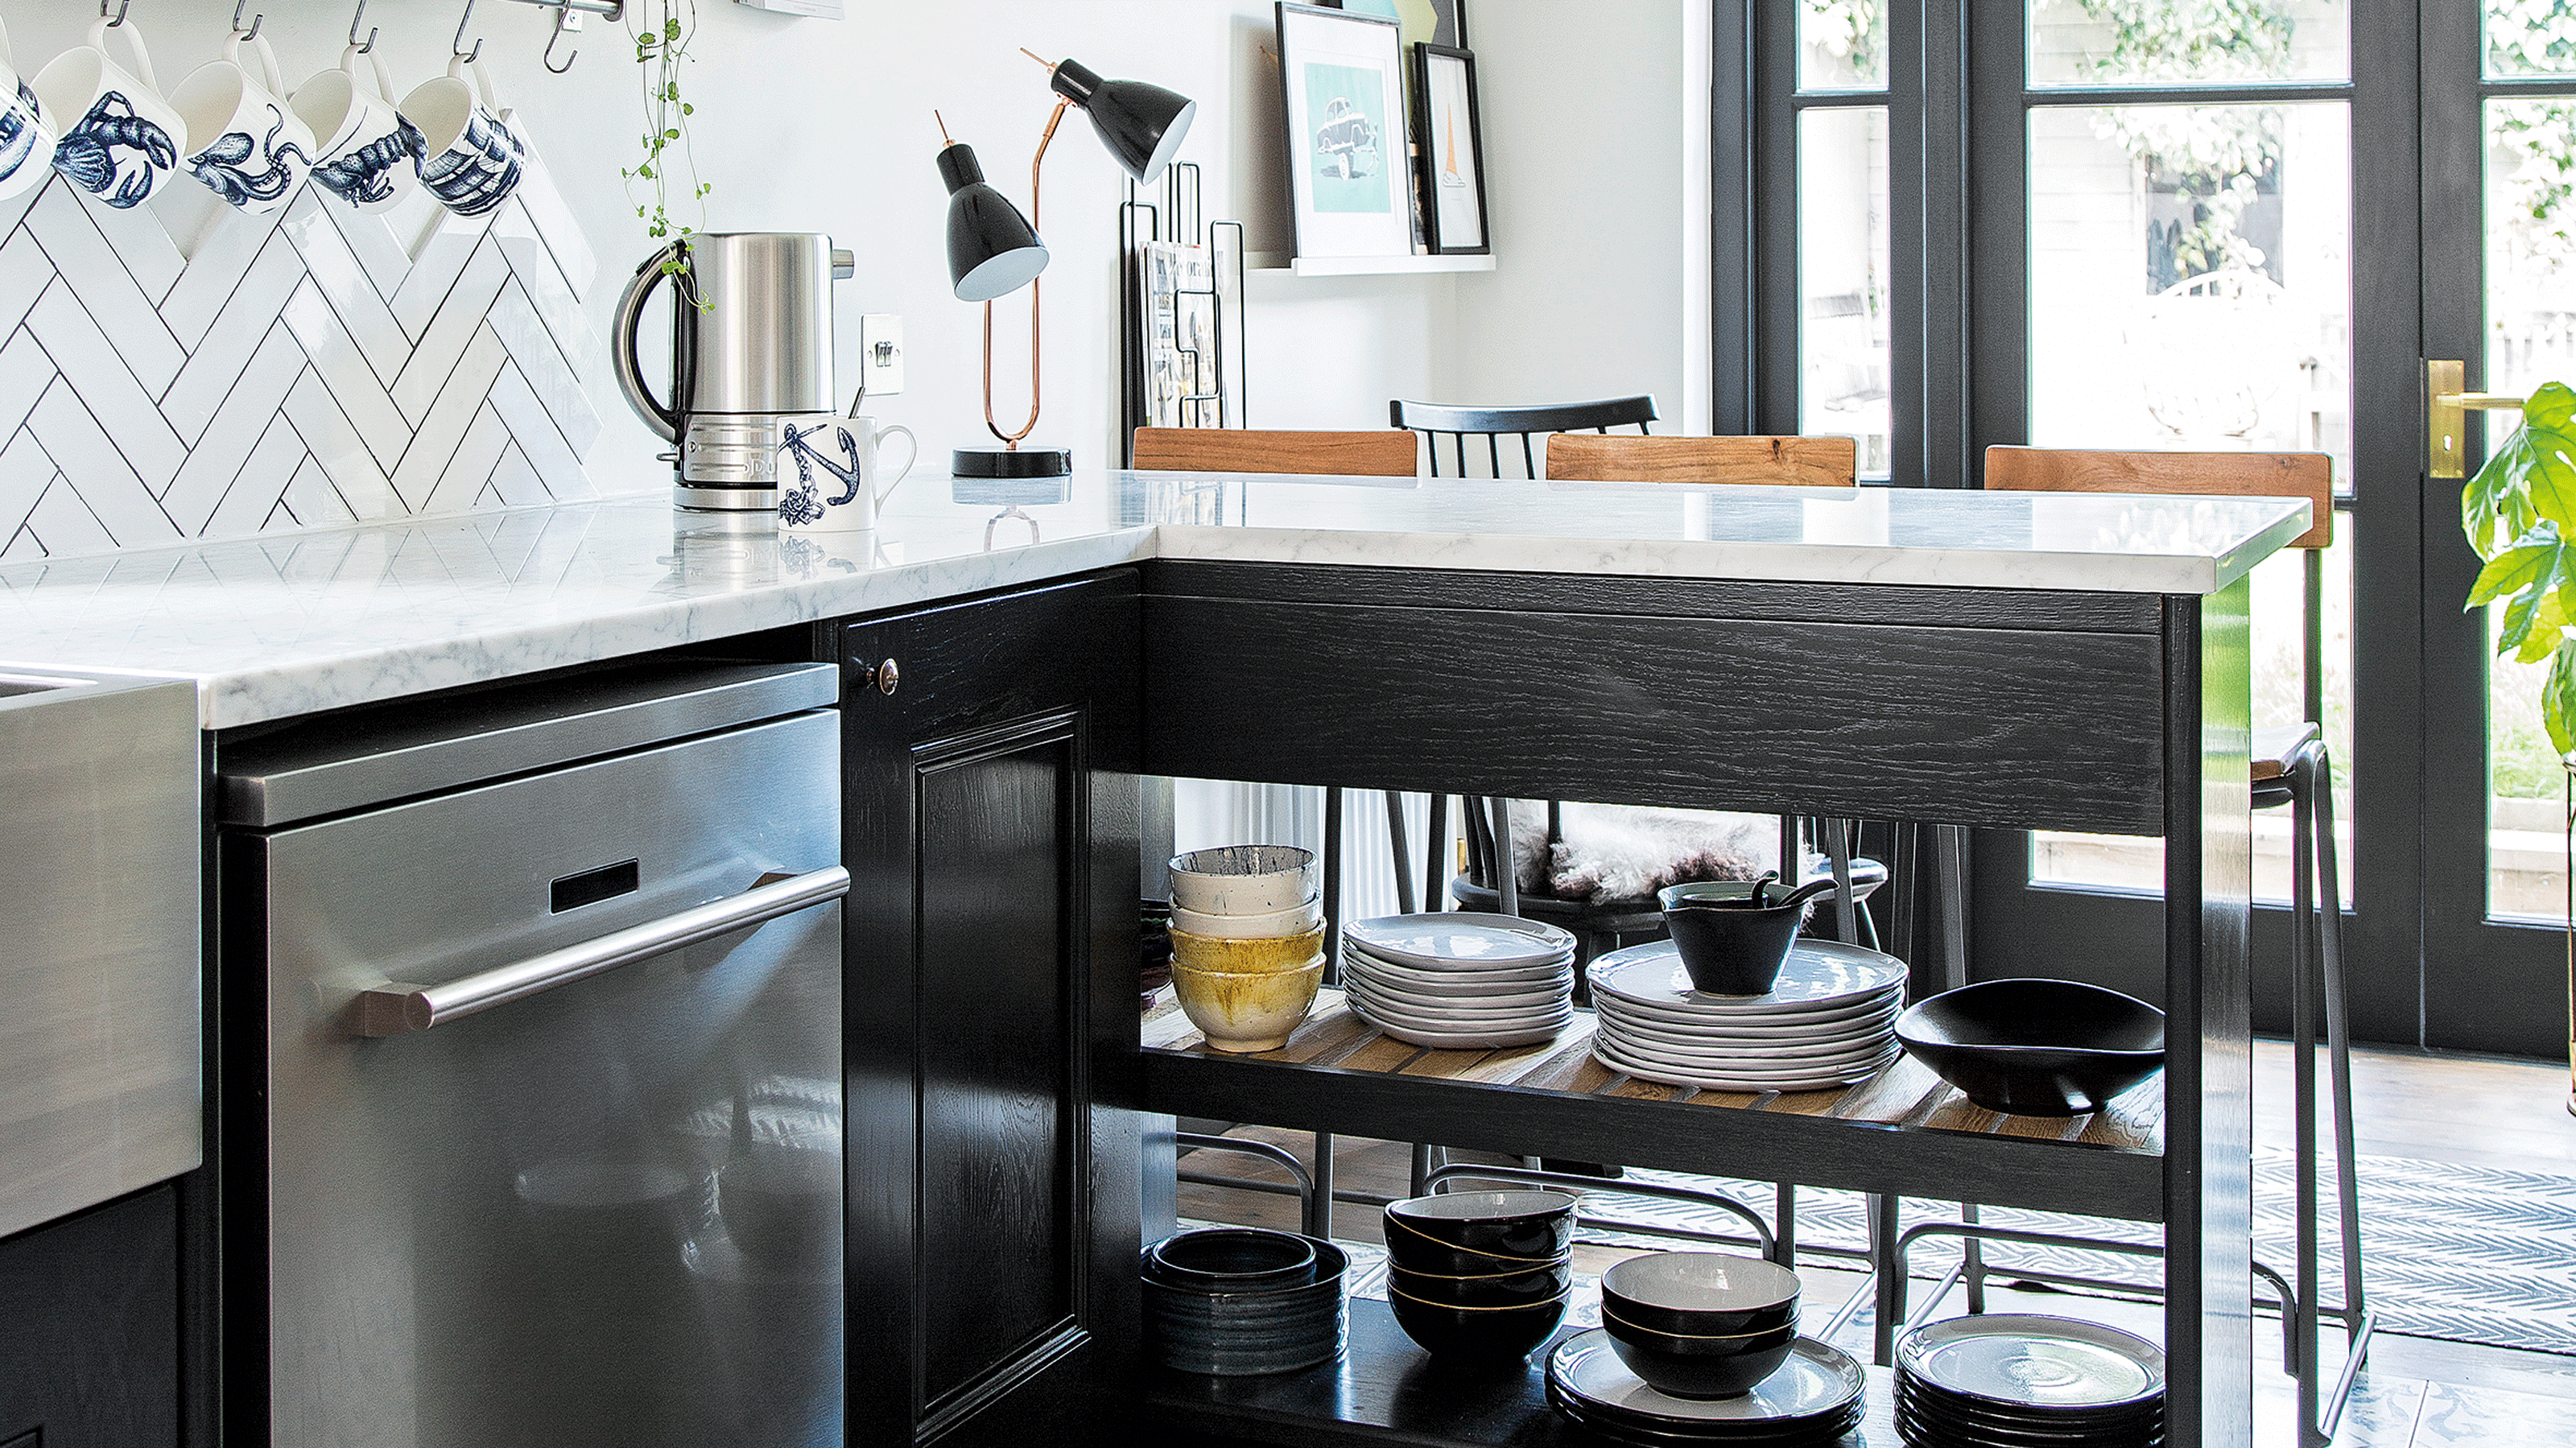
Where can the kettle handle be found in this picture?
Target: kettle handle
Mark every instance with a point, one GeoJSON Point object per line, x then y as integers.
{"type": "Point", "coordinates": [662, 417]}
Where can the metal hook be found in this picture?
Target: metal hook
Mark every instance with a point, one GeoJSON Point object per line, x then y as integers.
{"type": "Point", "coordinates": [458, 49]}
{"type": "Point", "coordinates": [551, 41]}
{"type": "Point", "coordinates": [256, 21]}
{"type": "Point", "coordinates": [120, 13]}
{"type": "Point", "coordinates": [368, 47]}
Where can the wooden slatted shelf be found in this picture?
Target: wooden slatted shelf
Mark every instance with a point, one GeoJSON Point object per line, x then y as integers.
{"type": "Point", "coordinates": [1904, 1131]}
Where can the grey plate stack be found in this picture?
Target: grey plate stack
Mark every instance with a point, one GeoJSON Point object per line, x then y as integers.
{"type": "Point", "coordinates": [1828, 1021]}
{"type": "Point", "coordinates": [1196, 1325]}
{"type": "Point", "coordinates": [1459, 978]}
{"type": "Point", "coordinates": [2028, 1382]}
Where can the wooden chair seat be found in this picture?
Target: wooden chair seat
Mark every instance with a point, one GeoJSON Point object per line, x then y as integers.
{"type": "Point", "coordinates": [2275, 748]}
{"type": "Point", "coordinates": [1383, 454]}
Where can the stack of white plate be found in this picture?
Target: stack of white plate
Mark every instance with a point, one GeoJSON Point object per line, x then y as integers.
{"type": "Point", "coordinates": [1460, 978]}
{"type": "Point", "coordinates": [1830, 1020]}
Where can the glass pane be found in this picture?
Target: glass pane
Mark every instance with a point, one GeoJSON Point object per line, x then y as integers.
{"type": "Point", "coordinates": [2190, 290]}
{"type": "Point", "coordinates": [2125, 863]}
{"type": "Point", "coordinates": [2190, 278]}
{"type": "Point", "coordinates": [2189, 42]}
{"type": "Point", "coordinates": [1842, 45]}
{"type": "Point", "coordinates": [2531, 339]}
{"type": "Point", "coordinates": [1842, 278]}
{"type": "Point", "coordinates": [2531, 37]}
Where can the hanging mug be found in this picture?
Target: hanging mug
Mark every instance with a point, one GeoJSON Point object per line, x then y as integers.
{"type": "Point", "coordinates": [252, 148]}
{"type": "Point", "coordinates": [836, 487]}
{"type": "Point", "coordinates": [470, 158]}
{"type": "Point", "coordinates": [26, 142]}
{"type": "Point", "coordinates": [127, 140]}
{"type": "Point", "coordinates": [370, 155]}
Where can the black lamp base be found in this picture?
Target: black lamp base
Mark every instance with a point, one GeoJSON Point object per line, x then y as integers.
{"type": "Point", "coordinates": [995, 462]}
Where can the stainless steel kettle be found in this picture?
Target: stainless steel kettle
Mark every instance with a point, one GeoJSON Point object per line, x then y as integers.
{"type": "Point", "coordinates": [751, 342]}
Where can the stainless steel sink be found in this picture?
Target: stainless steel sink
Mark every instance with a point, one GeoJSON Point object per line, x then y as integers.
{"type": "Point", "coordinates": [100, 1069]}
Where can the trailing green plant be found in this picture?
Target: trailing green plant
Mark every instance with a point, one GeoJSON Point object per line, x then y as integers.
{"type": "Point", "coordinates": [662, 30]}
{"type": "Point", "coordinates": [2519, 513]}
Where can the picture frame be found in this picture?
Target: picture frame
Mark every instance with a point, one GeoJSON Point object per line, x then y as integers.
{"type": "Point", "coordinates": [1453, 151]}
{"type": "Point", "coordinates": [1442, 22]}
{"type": "Point", "coordinates": [1343, 97]}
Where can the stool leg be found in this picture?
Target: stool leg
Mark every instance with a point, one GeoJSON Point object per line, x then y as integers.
{"type": "Point", "coordinates": [2339, 1043]}
{"type": "Point", "coordinates": [1435, 869]}
{"type": "Point", "coordinates": [1332, 884]}
{"type": "Point", "coordinates": [2303, 1062]}
{"type": "Point", "coordinates": [1784, 1224]}
{"type": "Point", "coordinates": [1972, 1261]}
{"type": "Point", "coordinates": [1319, 1199]}
{"type": "Point", "coordinates": [1402, 851]}
{"type": "Point", "coordinates": [1838, 845]}
{"type": "Point", "coordinates": [1883, 1211]}
{"type": "Point", "coordinates": [1950, 842]}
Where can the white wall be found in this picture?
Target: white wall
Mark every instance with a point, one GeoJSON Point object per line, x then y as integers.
{"type": "Point", "coordinates": [823, 125]}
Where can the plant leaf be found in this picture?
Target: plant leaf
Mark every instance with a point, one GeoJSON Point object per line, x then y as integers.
{"type": "Point", "coordinates": [2534, 561]}
{"type": "Point", "coordinates": [2531, 476]}
{"type": "Point", "coordinates": [2558, 698]}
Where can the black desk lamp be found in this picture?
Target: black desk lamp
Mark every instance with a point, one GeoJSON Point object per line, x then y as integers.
{"type": "Point", "coordinates": [994, 251]}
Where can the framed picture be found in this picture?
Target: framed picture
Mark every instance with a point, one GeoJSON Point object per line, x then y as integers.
{"type": "Point", "coordinates": [1453, 150]}
{"type": "Point", "coordinates": [1342, 82]}
{"type": "Point", "coordinates": [1442, 22]}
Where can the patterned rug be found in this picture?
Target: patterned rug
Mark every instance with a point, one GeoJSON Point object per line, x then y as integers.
{"type": "Point", "coordinates": [2462, 1253]}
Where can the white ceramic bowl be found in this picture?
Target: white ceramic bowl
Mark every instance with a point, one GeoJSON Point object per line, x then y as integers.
{"type": "Point", "coordinates": [1247, 1012]}
{"type": "Point", "coordinates": [1294, 921]}
{"type": "Point", "coordinates": [1244, 879]}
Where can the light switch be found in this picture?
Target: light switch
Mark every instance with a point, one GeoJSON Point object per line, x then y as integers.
{"type": "Point", "coordinates": [881, 353]}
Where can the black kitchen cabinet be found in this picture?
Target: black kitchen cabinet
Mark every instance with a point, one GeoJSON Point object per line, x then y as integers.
{"type": "Point", "coordinates": [89, 1328]}
{"type": "Point", "coordinates": [989, 1003]}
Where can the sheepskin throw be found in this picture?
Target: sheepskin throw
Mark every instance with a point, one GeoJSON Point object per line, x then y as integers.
{"type": "Point", "coordinates": [1628, 852]}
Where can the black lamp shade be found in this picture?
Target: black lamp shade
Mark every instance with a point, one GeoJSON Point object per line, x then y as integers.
{"type": "Point", "coordinates": [992, 249]}
{"type": "Point", "coordinates": [1142, 125]}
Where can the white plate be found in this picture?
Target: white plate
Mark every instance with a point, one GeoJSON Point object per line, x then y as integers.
{"type": "Point", "coordinates": [1712, 1081]}
{"type": "Point", "coordinates": [1482, 1000]}
{"type": "Point", "coordinates": [1426, 1012]}
{"type": "Point", "coordinates": [1818, 973]}
{"type": "Point", "coordinates": [1450, 939]}
{"type": "Point", "coordinates": [1749, 1068]}
{"type": "Point", "coordinates": [1752, 1053]}
{"type": "Point", "coordinates": [1881, 1022]}
{"type": "Point", "coordinates": [1425, 1020]}
{"type": "Point", "coordinates": [1459, 1040]}
{"type": "Point", "coordinates": [1465, 977]}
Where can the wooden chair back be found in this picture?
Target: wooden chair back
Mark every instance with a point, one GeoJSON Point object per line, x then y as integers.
{"type": "Point", "coordinates": [1816, 462]}
{"type": "Point", "coordinates": [2224, 474]}
{"type": "Point", "coordinates": [1387, 454]}
{"type": "Point", "coordinates": [1436, 420]}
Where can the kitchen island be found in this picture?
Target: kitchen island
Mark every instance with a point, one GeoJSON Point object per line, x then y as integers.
{"type": "Point", "coordinates": [1966, 659]}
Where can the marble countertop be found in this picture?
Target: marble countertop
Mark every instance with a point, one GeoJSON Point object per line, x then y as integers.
{"type": "Point", "coordinates": [278, 626]}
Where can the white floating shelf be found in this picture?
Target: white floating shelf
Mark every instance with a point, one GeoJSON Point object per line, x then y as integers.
{"type": "Point", "coordinates": [1364, 266]}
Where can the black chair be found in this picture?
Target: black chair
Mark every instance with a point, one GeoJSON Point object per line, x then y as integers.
{"type": "Point", "coordinates": [1435, 420]}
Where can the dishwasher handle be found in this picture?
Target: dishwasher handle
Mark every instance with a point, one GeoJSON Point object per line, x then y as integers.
{"type": "Point", "coordinates": [395, 1009]}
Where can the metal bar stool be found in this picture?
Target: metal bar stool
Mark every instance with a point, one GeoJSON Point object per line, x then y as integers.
{"type": "Point", "coordinates": [1435, 420]}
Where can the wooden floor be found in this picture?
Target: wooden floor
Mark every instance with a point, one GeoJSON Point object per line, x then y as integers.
{"type": "Point", "coordinates": [2415, 1392]}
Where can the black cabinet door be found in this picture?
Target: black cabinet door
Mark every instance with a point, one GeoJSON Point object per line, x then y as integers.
{"type": "Point", "coordinates": [89, 1328]}
{"type": "Point", "coordinates": [989, 1004]}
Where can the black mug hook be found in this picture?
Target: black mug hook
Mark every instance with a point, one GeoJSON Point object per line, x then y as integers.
{"type": "Point", "coordinates": [256, 21]}
{"type": "Point", "coordinates": [368, 45]}
{"type": "Point", "coordinates": [555, 40]}
{"type": "Point", "coordinates": [458, 49]}
{"type": "Point", "coordinates": [121, 9]}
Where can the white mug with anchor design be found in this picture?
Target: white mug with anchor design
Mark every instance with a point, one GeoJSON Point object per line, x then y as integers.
{"type": "Point", "coordinates": [120, 139]}
{"type": "Point", "coordinates": [251, 148]}
{"type": "Point", "coordinates": [370, 155]}
{"type": "Point", "coordinates": [830, 477]}
{"type": "Point", "coordinates": [26, 141]}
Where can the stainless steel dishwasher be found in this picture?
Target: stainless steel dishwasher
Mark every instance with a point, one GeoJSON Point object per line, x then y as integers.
{"type": "Point", "coordinates": [554, 1136]}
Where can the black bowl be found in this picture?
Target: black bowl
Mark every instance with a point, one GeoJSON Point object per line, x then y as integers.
{"type": "Point", "coordinates": [1731, 947]}
{"type": "Point", "coordinates": [2036, 1047]}
{"type": "Point", "coordinates": [1700, 1367]}
{"type": "Point", "coordinates": [1701, 1294]}
{"type": "Point", "coordinates": [1234, 1259]}
{"type": "Point", "coordinates": [1428, 1233]}
{"type": "Point", "coordinates": [1512, 1289]}
{"type": "Point", "coordinates": [1494, 1335]}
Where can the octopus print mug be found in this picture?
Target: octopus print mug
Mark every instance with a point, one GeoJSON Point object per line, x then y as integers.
{"type": "Point", "coordinates": [251, 149]}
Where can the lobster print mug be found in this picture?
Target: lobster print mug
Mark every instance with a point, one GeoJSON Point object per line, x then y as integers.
{"type": "Point", "coordinates": [829, 472]}
{"type": "Point", "coordinates": [470, 158]}
{"type": "Point", "coordinates": [370, 156]}
{"type": "Point", "coordinates": [251, 148]}
{"type": "Point", "coordinates": [26, 142]}
{"type": "Point", "coordinates": [120, 139]}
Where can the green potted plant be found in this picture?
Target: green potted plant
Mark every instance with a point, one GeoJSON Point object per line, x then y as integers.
{"type": "Point", "coordinates": [2520, 515]}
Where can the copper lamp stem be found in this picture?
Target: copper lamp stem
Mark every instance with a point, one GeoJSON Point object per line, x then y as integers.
{"type": "Point", "coordinates": [1011, 440]}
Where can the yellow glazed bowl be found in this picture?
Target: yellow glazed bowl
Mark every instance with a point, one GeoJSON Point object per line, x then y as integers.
{"type": "Point", "coordinates": [1247, 1012]}
{"type": "Point", "coordinates": [1250, 956]}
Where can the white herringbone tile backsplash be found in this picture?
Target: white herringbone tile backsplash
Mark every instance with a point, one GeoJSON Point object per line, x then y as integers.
{"type": "Point", "coordinates": [302, 369]}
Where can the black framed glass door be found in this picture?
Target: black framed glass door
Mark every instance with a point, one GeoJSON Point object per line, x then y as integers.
{"type": "Point", "coordinates": [2122, 226]}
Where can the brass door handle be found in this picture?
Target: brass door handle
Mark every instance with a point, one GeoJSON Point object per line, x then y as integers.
{"type": "Point", "coordinates": [885, 676]}
{"type": "Point", "coordinates": [2446, 416]}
